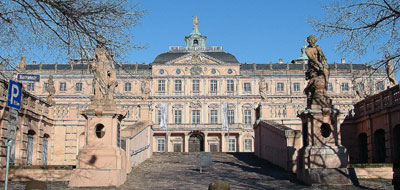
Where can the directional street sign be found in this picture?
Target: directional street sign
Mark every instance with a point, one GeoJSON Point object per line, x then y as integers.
{"type": "Point", "coordinates": [14, 95]}
{"type": "Point", "coordinates": [29, 77]}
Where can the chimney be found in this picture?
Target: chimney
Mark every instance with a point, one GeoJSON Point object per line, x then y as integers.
{"type": "Point", "coordinates": [72, 65]}
{"type": "Point", "coordinates": [40, 66]}
{"type": "Point", "coordinates": [280, 60]}
{"type": "Point", "coordinates": [335, 65]}
{"type": "Point", "coordinates": [33, 62]}
{"type": "Point", "coordinates": [270, 65]}
{"type": "Point", "coordinates": [254, 67]}
{"type": "Point", "coordinates": [55, 67]}
{"type": "Point", "coordinates": [287, 66]}
{"type": "Point", "coordinates": [137, 66]}
{"type": "Point", "coordinates": [343, 61]}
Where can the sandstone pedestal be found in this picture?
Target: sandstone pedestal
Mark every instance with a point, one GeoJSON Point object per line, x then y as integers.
{"type": "Point", "coordinates": [101, 162]}
{"type": "Point", "coordinates": [322, 160]}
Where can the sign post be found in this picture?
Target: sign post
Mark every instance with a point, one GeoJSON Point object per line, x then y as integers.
{"type": "Point", "coordinates": [14, 104]}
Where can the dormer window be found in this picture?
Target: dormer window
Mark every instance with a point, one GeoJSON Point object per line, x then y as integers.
{"type": "Point", "coordinates": [195, 42]}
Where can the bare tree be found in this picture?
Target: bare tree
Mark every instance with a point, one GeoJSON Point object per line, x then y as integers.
{"type": "Point", "coordinates": [66, 26]}
{"type": "Point", "coordinates": [364, 24]}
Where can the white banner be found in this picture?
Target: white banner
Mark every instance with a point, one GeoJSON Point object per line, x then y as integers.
{"type": "Point", "coordinates": [225, 124]}
{"type": "Point", "coordinates": [164, 116]}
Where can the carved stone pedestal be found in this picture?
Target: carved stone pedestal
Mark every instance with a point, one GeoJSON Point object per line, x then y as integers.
{"type": "Point", "coordinates": [101, 162]}
{"type": "Point", "coordinates": [322, 160]}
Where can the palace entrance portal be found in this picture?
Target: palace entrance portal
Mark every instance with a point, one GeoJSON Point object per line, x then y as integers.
{"type": "Point", "coordinates": [196, 143]}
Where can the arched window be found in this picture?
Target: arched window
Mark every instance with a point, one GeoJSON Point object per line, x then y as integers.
{"type": "Point", "coordinates": [363, 148]}
{"type": "Point", "coordinates": [379, 146]}
{"type": "Point", "coordinates": [195, 42]}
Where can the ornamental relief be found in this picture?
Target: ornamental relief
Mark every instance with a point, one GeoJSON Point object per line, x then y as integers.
{"type": "Point", "coordinates": [177, 106]}
{"type": "Point", "coordinates": [214, 105]}
{"type": "Point", "coordinates": [247, 105]}
{"type": "Point", "coordinates": [195, 104]}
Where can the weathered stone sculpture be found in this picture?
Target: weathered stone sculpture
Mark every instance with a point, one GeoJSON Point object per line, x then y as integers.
{"type": "Point", "coordinates": [145, 89]}
{"type": "Point", "coordinates": [390, 70]}
{"type": "Point", "coordinates": [105, 78]}
{"type": "Point", "coordinates": [322, 159]}
{"type": "Point", "coordinates": [21, 65]}
{"type": "Point", "coordinates": [317, 74]}
{"type": "Point", "coordinates": [263, 88]}
{"type": "Point", "coordinates": [51, 90]}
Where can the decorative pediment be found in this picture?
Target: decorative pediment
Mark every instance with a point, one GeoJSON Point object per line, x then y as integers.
{"type": "Point", "coordinates": [214, 105]}
{"type": "Point", "coordinates": [195, 58]}
{"type": "Point", "coordinates": [196, 104]}
{"type": "Point", "coordinates": [177, 106]}
{"type": "Point", "coordinates": [247, 105]}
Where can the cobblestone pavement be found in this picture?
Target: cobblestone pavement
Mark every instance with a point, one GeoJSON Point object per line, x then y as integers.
{"type": "Point", "coordinates": [180, 171]}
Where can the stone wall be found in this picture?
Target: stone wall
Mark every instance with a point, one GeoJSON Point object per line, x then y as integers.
{"type": "Point", "coordinates": [278, 144]}
{"type": "Point", "coordinates": [138, 140]}
{"type": "Point", "coordinates": [34, 173]}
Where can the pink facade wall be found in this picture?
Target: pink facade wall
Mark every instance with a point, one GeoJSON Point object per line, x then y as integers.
{"type": "Point", "coordinates": [277, 144]}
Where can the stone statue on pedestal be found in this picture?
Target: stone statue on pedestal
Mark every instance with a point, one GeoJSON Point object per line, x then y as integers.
{"type": "Point", "coordinates": [21, 65]}
{"type": "Point", "coordinates": [322, 159]}
{"type": "Point", "coordinates": [317, 74]}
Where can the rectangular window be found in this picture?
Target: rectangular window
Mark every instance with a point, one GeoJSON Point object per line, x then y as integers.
{"type": "Point", "coordinates": [161, 145]}
{"type": "Point", "coordinates": [178, 86]}
{"type": "Point", "coordinates": [345, 87]}
{"type": "Point", "coordinates": [196, 116]}
{"type": "Point", "coordinates": [380, 86]}
{"type": "Point", "coordinates": [232, 145]}
{"type": "Point", "coordinates": [231, 116]}
{"type": "Point", "coordinates": [247, 87]}
{"type": "Point", "coordinates": [247, 116]}
{"type": "Point", "coordinates": [330, 87]}
{"type": "Point", "coordinates": [213, 85]}
{"type": "Point", "coordinates": [31, 86]}
{"type": "Point", "coordinates": [45, 85]}
{"type": "Point", "coordinates": [296, 87]}
{"type": "Point", "coordinates": [196, 85]}
{"type": "Point", "coordinates": [214, 117]}
{"type": "Point", "coordinates": [63, 86]}
{"type": "Point", "coordinates": [247, 145]}
{"type": "Point", "coordinates": [78, 87]}
{"type": "Point", "coordinates": [159, 116]}
{"type": "Point", "coordinates": [280, 87]}
{"type": "Point", "coordinates": [161, 85]}
{"type": "Point", "coordinates": [178, 116]}
{"type": "Point", "coordinates": [128, 87]}
{"type": "Point", "coordinates": [230, 85]}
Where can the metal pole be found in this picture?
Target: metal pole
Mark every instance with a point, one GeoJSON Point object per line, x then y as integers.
{"type": "Point", "coordinates": [8, 142]}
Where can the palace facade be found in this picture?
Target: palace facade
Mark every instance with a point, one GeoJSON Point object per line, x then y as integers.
{"type": "Point", "coordinates": [191, 95]}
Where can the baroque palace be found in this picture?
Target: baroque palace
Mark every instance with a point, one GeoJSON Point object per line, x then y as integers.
{"type": "Point", "coordinates": [194, 97]}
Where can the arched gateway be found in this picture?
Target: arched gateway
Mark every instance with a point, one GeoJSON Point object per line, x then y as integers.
{"type": "Point", "coordinates": [196, 143]}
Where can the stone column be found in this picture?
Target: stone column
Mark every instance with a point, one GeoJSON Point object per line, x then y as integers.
{"type": "Point", "coordinates": [322, 159]}
{"type": "Point", "coordinates": [206, 144]}
{"type": "Point", "coordinates": [101, 162]}
{"type": "Point", "coordinates": [223, 142]}
{"type": "Point", "coordinates": [186, 143]}
{"type": "Point", "coordinates": [240, 143]}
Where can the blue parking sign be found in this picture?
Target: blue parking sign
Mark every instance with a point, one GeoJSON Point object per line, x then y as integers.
{"type": "Point", "coordinates": [14, 95]}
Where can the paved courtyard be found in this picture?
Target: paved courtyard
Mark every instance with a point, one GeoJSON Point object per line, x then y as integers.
{"type": "Point", "coordinates": [180, 171]}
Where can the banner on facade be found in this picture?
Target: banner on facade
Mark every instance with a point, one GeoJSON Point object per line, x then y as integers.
{"type": "Point", "coordinates": [225, 124]}
{"type": "Point", "coordinates": [164, 110]}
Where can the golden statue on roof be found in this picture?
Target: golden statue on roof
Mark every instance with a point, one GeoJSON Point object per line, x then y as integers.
{"type": "Point", "coordinates": [195, 21]}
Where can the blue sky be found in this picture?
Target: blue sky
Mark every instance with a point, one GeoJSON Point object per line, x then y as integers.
{"type": "Point", "coordinates": [258, 31]}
